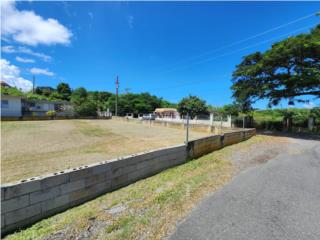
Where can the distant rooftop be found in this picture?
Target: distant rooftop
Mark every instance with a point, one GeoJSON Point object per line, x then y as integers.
{"type": "Point", "coordinates": [4, 84]}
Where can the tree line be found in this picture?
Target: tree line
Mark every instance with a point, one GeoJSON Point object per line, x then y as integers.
{"type": "Point", "coordinates": [87, 103]}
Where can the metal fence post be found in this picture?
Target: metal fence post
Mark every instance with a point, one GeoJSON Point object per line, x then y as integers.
{"type": "Point", "coordinates": [187, 130]}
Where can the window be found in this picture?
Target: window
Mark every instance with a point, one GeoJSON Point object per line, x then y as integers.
{"type": "Point", "coordinates": [4, 103]}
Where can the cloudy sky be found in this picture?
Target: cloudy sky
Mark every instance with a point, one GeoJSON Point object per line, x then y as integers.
{"type": "Point", "coordinates": [170, 49]}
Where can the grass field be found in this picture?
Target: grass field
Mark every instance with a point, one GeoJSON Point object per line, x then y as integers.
{"type": "Point", "coordinates": [32, 148]}
{"type": "Point", "coordinates": [149, 208]}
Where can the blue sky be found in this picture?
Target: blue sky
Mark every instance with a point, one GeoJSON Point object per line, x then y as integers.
{"type": "Point", "coordinates": [170, 49]}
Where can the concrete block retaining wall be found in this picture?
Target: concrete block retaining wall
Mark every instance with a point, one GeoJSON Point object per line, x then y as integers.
{"type": "Point", "coordinates": [29, 201]}
{"type": "Point", "coordinates": [216, 129]}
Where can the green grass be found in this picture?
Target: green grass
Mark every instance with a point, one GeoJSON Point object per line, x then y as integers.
{"type": "Point", "coordinates": [152, 205]}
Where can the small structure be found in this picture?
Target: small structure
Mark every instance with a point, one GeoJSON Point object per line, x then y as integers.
{"type": "Point", "coordinates": [11, 106]}
{"type": "Point", "coordinates": [4, 84]}
{"type": "Point", "coordinates": [104, 114]}
{"type": "Point", "coordinates": [166, 113]}
{"type": "Point", "coordinates": [33, 107]}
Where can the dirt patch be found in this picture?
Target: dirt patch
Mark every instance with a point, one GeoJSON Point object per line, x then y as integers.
{"type": "Point", "coordinates": [265, 149]}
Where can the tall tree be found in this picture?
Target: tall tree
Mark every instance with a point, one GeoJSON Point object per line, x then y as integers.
{"type": "Point", "coordinates": [192, 105]}
{"type": "Point", "coordinates": [289, 70]}
{"type": "Point", "coordinates": [79, 95]}
{"type": "Point", "coordinates": [64, 90]}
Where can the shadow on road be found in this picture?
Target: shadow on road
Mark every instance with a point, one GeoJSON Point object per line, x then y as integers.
{"type": "Point", "coordinates": [305, 136]}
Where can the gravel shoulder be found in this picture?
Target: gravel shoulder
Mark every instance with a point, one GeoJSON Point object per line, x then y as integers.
{"type": "Point", "coordinates": [275, 195]}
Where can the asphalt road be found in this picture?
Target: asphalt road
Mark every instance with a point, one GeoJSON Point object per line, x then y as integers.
{"type": "Point", "coordinates": [277, 200]}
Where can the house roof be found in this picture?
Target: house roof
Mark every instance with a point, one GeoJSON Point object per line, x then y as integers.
{"type": "Point", "coordinates": [46, 101]}
{"type": "Point", "coordinates": [161, 110]}
{"type": "Point", "coordinates": [4, 84]}
{"type": "Point", "coordinates": [11, 96]}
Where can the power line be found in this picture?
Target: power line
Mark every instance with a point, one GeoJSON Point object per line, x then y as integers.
{"type": "Point", "coordinates": [187, 83]}
{"type": "Point", "coordinates": [250, 46]}
{"type": "Point", "coordinates": [174, 87]}
{"type": "Point", "coordinates": [241, 41]}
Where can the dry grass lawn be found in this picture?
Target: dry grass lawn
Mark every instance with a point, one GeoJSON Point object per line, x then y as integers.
{"type": "Point", "coordinates": [32, 148]}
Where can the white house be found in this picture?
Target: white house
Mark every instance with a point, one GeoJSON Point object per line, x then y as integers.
{"type": "Point", "coordinates": [41, 107]}
{"type": "Point", "coordinates": [11, 106]}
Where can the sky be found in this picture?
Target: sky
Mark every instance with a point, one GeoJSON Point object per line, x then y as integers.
{"type": "Point", "coordinates": [170, 49]}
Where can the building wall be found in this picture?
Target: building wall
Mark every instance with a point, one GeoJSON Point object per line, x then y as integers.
{"type": "Point", "coordinates": [31, 200]}
{"type": "Point", "coordinates": [14, 106]}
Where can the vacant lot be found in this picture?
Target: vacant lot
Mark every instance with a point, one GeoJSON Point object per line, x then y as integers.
{"type": "Point", "coordinates": [32, 148]}
{"type": "Point", "coordinates": [150, 208]}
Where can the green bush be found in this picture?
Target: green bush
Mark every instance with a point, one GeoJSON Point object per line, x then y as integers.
{"type": "Point", "coordinates": [86, 109]}
{"type": "Point", "coordinates": [51, 113]}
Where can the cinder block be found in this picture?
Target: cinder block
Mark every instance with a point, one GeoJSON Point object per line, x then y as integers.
{"type": "Point", "coordinates": [98, 189]}
{"type": "Point", "coordinates": [54, 180]}
{"type": "Point", "coordinates": [14, 203]}
{"type": "Point", "coordinates": [145, 172]}
{"type": "Point", "coordinates": [55, 203]}
{"type": "Point", "coordinates": [20, 224]}
{"type": "Point", "coordinates": [2, 221]}
{"type": "Point", "coordinates": [134, 176]}
{"type": "Point", "coordinates": [103, 168]}
{"type": "Point", "coordinates": [119, 181]}
{"type": "Point", "coordinates": [48, 213]}
{"type": "Point", "coordinates": [2, 193]}
{"type": "Point", "coordinates": [89, 193]}
{"type": "Point", "coordinates": [145, 164]}
{"type": "Point", "coordinates": [23, 213]}
{"type": "Point", "coordinates": [119, 163]}
{"type": "Point", "coordinates": [95, 179]}
{"type": "Point", "coordinates": [72, 186]}
{"type": "Point", "coordinates": [44, 194]}
{"type": "Point", "coordinates": [15, 190]}
{"type": "Point", "coordinates": [80, 174]}
{"type": "Point", "coordinates": [92, 192]}
{"type": "Point", "coordinates": [79, 194]}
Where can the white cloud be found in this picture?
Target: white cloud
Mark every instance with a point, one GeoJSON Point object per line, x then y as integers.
{"type": "Point", "coordinates": [28, 28]}
{"type": "Point", "coordinates": [8, 49]}
{"type": "Point", "coordinates": [25, 60]}
{"type": "Point", "coordinates": [11, 75]}
{"type": "Point", "coordinates": [12, 49]}
{"type": "Point", "coordinates": [40, 71]}
{"type": "Point", "coordinates": [130, 19]}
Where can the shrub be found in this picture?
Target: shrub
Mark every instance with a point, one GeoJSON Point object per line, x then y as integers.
{"type": "Point", "coordinates": [51, 113]}
{"type": "Point", "coordinates": [86, 109]}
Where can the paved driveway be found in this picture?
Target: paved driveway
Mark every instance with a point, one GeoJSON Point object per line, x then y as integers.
{"type": "Point", "coordinates": [276, 200]}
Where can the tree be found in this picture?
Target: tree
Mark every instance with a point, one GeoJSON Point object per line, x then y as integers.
{"type": "Point", "coordinates": [134, 103]}
{"type": "Point", "coordinates": [64, 90]}
{"type": "Point", "coordinates": [192, 105]}
{"type": "Point", "coordinates": [12, 91]}
{"type": "Point", "coordinates": [289, 70]}
{"type": "Point", "coordinates": [87, 108]}
{"type": "Point", "coordinates": [231, 109]}
{"type": "Point", "coordinates": [79, 95]}
{"type": "Point", "coordinates": [101, 99]}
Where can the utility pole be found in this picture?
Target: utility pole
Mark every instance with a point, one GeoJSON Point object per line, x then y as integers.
{"type": "Point", "coordinates": [117, 90]}
{"type": "Point", "coordinates": [33, 83]}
